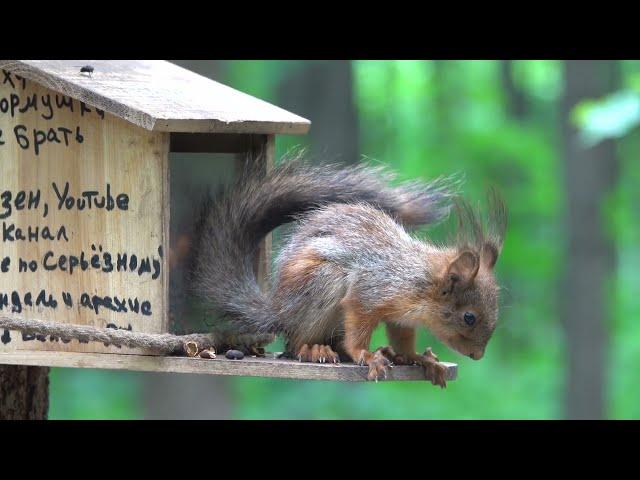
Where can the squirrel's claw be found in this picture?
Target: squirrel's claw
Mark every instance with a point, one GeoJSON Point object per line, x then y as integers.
{"type": "Point", "coordinates": [429, 353]}
{"type": "Point", "coordinates": [395, 358]}
{"type": "Point", "coordinates": [435, 371]}
{"type": "Point", "coordinates": [378, 365]}
{"type": "Point", "coordinates": [317, 354]}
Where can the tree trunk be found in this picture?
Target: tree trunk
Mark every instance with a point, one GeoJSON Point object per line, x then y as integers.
{"type": "Point", "coordinates": [590, 173]}
{"type": "Point", "coordinates": [24, 392]}
{"type": "Point", "coordinates": [322, 91]}
{"type": "Point", "coordinates": [515, 100]}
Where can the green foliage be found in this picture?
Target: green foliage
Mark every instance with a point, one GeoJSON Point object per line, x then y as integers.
{"type": "Point", "coordinates": [81, 394]}
{"type": "Point", "coordinates": [540, 79]}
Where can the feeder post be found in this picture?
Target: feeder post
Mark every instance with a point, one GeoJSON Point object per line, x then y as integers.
{"type": "Point", "coordinates": [24, 392]}
{"type": "Point", "coordinates": [261, 151]}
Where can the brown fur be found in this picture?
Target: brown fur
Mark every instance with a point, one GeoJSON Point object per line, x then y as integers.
{"type": "Point", "coordinates": [297, 270]}
{"type": "Point", "coordinates": [350, 267]}
{"type": "Point", "coordinates": [445, 293]}
{"type": "Point", "coordinates": [359, 327]}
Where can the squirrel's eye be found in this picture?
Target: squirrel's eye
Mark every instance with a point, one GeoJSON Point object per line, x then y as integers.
{"type": "Point", "coordinates": [469, 318]}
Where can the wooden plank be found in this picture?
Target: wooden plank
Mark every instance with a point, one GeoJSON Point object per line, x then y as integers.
{"type": "Point", "coordinates": [101, 152]}
{"type": "Point", "coordinates": [165, 205]}
{"type": "Point", "coordinates": [249, 366]}
{"type": "Point", "coordinates": [160, 96]}
{"type": "Point", "coordinates": [263, 150]}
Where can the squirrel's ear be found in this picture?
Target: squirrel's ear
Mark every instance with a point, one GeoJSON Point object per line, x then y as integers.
{"type": "Point", "coordinates": [462, 270]}
{"type": "Point", "coordinates": [490, 254]}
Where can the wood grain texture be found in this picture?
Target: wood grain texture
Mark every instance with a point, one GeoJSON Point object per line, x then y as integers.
{"type": "Point", "coordinates": [160, 96]}
{"type": "Point", "coordinates": [24, 392]}
{"type": "Point", "coordinates": [263, 150]}
{"type": "Point", "coordinates": [249, 367]}
{"type": "Point", "coordinates": [130, 160]}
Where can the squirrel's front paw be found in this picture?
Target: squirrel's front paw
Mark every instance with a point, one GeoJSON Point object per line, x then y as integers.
{"type": "Point", "coordinates": [378, 365]}
{"type": "Point", "coordinates": [396, 359]}
{"type": "Point", "coordinates": [435, 371]}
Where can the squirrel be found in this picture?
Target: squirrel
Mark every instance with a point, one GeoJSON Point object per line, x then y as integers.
{"type": "Point", "coordinates": [350, 264]}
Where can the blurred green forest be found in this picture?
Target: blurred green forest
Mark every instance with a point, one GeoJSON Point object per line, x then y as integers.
{"type": "Point", "coordinates": [499, 123]}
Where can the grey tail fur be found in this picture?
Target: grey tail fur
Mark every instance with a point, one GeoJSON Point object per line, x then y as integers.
{"type": "Point", "coordinates": [230, 230]}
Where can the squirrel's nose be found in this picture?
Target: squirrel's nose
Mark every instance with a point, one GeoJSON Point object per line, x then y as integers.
{"type": "Point", "coordinates": [477, 355]}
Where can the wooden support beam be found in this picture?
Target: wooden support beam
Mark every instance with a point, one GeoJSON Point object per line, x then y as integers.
{"type": "Point", "coordinates": [210, 143]}
{"type": "Point", "coordinates": [260, 150]}
{"type": "Point", "coordinates": [248, 367]}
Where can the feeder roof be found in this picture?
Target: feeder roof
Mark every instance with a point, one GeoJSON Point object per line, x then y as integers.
{"type": "Point", "coordinates": [160, 96]}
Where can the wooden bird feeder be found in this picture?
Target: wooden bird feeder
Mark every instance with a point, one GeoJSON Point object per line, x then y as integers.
{"type": "Point", "coordinates": [93, 162]}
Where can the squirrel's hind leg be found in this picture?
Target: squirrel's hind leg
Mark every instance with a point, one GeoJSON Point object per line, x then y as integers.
{"type": "Point", "coordinates": [307, 296]}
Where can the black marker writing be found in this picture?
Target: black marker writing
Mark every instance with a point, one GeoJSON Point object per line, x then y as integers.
{"type": "Point", "coordinates": [90, 199]}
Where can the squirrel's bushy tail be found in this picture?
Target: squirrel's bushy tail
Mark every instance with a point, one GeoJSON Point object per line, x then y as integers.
{"type": "Point", "coordinates": [229, 231]}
